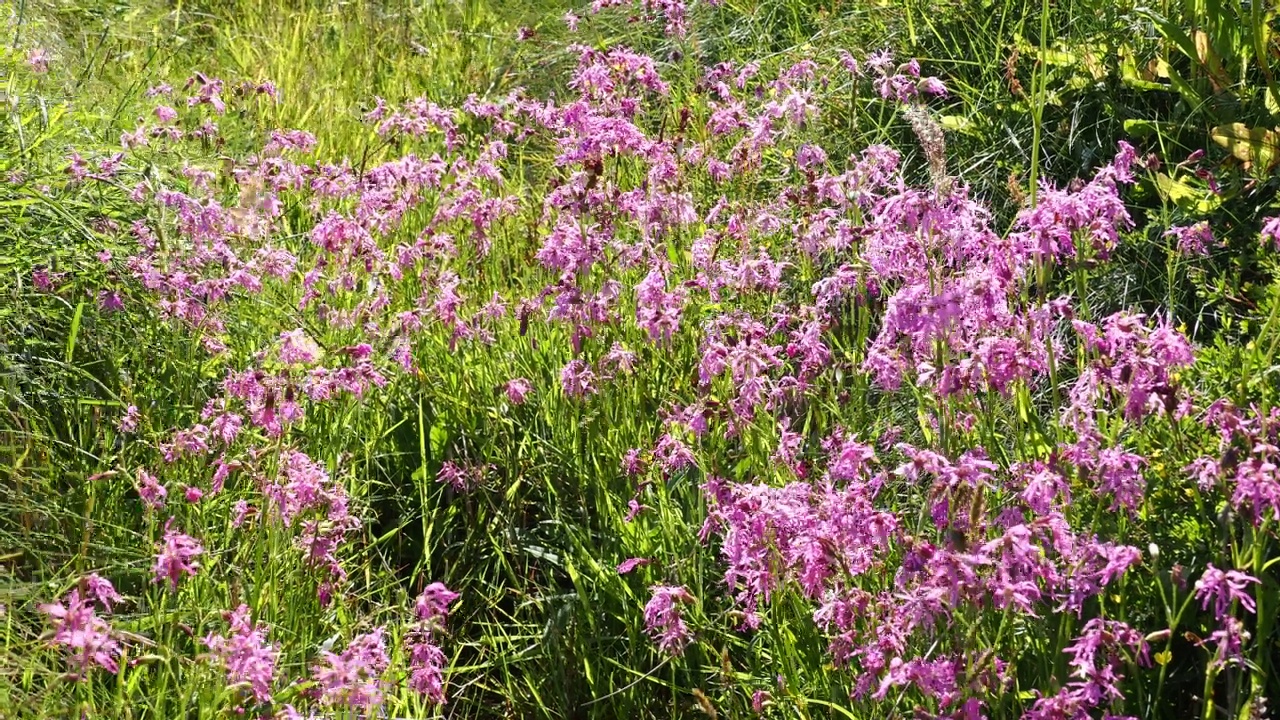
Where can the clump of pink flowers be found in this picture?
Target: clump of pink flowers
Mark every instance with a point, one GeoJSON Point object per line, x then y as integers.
{"type": "Point", "coordinates": [748, 324]}
{"type": "Point", "coordinates": [354, 678]}
{"type": "Point", "coordinates": [249, 660]}
{"type": "Point", "coordinates": [426, 659]}
{"type": "Point", "coordinates": [664, 618]}
{"type": "Point", "coordinates": [176, 557]}
{"type": "Point", "coordinates": [86, 639]}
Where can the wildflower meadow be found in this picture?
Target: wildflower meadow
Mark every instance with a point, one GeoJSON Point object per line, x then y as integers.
{"type": "Point", "coordinates": [639, 359]}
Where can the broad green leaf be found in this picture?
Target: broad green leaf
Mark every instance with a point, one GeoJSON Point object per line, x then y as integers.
{"type": "Point", "coordinates": [956, 123]}
{"type": "Point", "coordinates": [1255, 146]}
{"type": "Point", "coordinates": [1187, 197]}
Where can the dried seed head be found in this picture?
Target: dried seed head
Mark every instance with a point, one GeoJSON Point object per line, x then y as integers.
{"type": "Point", "coordinates": [932, 142]}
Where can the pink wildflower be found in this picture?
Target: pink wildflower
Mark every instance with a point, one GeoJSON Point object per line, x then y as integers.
{"type": "Point", "coordinates": [630, 564]}
{"type": "Point", "coordinates": [426, 665]}
{"type": "Point", "coordinates": [1222, 588]}
{"type": "Point", "coordinates": [83, 635]}
{"type": "Point", "coordinates": [353, 678]}
{"type": "Point", "coordinates": [101, 589]}
{"type": "Point", "coordinates": [1271, 230]}
{"type": "Point", "coordinates": [153, 494]}
{"type": "Point", "coordinates": [462, 477]}
{"type": "Point", "coordinates": [38, 60]}
{"type": "Point", "coordinates": [175, 557]}
{"type": "Point", "coordinates": [296, 348]}
{"type": "Point", "coordinates": [518, 390]}
{"type": "Point", "coordinates": [434, 602]}
{"type": "Point", "coordinates": [577, 379]}
{"type": "Point", "coordinates": [662, 618]}
{"type": "Point", "coordinates": [42, 280]}
{"type": "Point", "coordinates": [249, 659]}
{"type": "Point", "coordinates": [1193, 239]}
{"type": "Point", "coordinates": [129, 421]}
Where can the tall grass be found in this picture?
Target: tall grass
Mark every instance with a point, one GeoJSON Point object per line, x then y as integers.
{"type": "Point", "coordinates": [532, 534]}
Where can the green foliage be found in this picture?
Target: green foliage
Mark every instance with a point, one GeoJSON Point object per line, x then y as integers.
{"type": "Point", "coordinates": [549, 629]}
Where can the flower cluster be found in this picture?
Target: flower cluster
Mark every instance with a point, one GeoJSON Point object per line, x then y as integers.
{"type": "Point", "coordinates": [744, 324]}
{"type": "Point", "coordinates": [86, 639]}
{"type": "Point", "coordinates": [250, 661]}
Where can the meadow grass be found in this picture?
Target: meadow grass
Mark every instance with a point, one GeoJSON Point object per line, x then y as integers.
{"type": "Point", "coordinates": [871, 409]}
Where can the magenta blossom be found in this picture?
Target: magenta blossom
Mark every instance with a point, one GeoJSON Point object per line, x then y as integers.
{"type": "Point", "coordinates": [1271, 230]}
{"type": "Point", "coordinates": [249, 659]}
{"type": "Point", "coordinates": [426, 665]}
{"type": "Point", "coordinates": [129, 421]}
{"type": "Point", "coordinates": [85, 637]}
{"type": "Point", "coordinates": [176, 556]}
{"type": "Point", "coordinates": [663, 620]}
{"type": "Point", "coordinates": [101, 589]}
{"type": "Point", "coordinates": [1193, 239]}
{"type": "Point", "coordinates": [577, 379]}
{"type": "Point", "coordinates": [1222, 588]}
{"type": "Point", "coordinates": [630, 564]}
{"type": "Point", "coordinates": [353, 678]}
{"type": "Point", "coordinates": [434, 602]}
{"type": "Point", "coordinates": [38, 60]}
{"type": "Point", "coordinates": [518, 390]}
{"type": "Point", "coordinates": [153, 494]}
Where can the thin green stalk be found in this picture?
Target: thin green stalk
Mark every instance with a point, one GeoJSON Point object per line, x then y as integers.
{"type": "Point", "coordinates": [1037, 108]}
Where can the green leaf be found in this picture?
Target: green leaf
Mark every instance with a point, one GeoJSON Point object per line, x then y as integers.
{"type": "Point", "coordinates": [75, 331]}
{"type": "Point", "coordinates": [1172, 33]}
{"type": "Point", "coordinates": [1141, 128]}
{"type": "Point", "coordinates": [1189, 198]}
{"type": "Point", "coordinates": [957, 123]}
{"type": "Point", "coordinates": [1256, 146]}
{"type": "Point", "coordinates": [439, 437]}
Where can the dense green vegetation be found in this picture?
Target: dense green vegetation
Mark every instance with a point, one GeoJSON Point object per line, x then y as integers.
{"type": "Point", "coordinates": [490, 359]}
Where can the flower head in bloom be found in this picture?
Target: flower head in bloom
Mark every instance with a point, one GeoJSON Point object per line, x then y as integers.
{"type": "Point", "coordinates": [1271, 230]}
{"type": "Point", "coordinates": [518, 390]}
{"type": "Point", "coordinates": [42, 280]}
{"type": "Point", "coordinates": [240, 512]}
{"type": "Point", "coordinates": [1097, 657]}
{"type": "Point", "coordinates": [176, 556]}
{"type": "Point", "coordinates": [129, 421]}
{"type": "Point", "coordinates": [663, 620]}
{"type": "Point", "coordinates": [1228, 642]}
{"type": "Point", "coordinates": [297, 348]}
{"type": "Point", "coordinates": [38, 60]}
{"type": "Point", "coordinates": [462, 477]}
{"type": "Point", "coordinates": [577, 379]}
{"type": "Point", "coordinates": [634, 508]}
{"type": "Point", "coordinates": [657, 310]}
{"type": "Point", "coordinates": [434, 601]}
{"type": "Point", "coordinates": [1193, 239]}
{"type": "Point", "coordinates": [109, 301]}
{"type": "Point", "coordinates": [85, 637]}
{"type": "Point", "coordinates": [249, 659]}
{"type": "Point", "coordinates": [353, 678]}
{"type": "Point", "coordinates": [632, 463]}
{"type": "Point", "coordinates": [151, 491]}
{"type": "Point", "coordinates": [426, 665]}
{"type": "Point", "coordinates": [101, 589]}
{"type": "Point", "coordinates": [630, 564]}
{"type": "Point", "coordinates": [1221, 588]}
